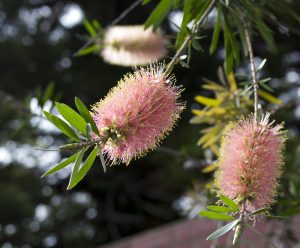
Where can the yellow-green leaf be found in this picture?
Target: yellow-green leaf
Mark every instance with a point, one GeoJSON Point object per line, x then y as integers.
{"type": "Point", "coordinates": [268, 97]}
{"type": "Point", "coordinates": [208, 101]}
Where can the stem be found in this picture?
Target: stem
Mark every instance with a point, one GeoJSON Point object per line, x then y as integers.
{"type": "Point", "coordinates": [81, 145]}
{"type": "Point", "coordinates": [187, 40]}
{"type": "Point", "coordinates": [252, 66]}
{"type": "Point", "coordinates": [114, 22]}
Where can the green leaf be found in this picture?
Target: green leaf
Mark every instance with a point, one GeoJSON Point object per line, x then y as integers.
{"type": "Point", "coordinates": [212, 102]}
{"type": "Point", "coordinates": [216, 34]}
{"type": "Point", "coordinates": [259, 211]}
{"type": "Point", "coordinates": [228, 47]}
{"type": "Point", "coordinates": [62, 126]}
{"type": "Point", "coordinates": [84, 169]}
{"type": "Point", "coordinates": [220, 209]}
{"type": "Point", "coordinates": [159, 13]}
{"type": "Point", "coordinates": [230, 203]}
{"type": "Point", "coordinates": [76, 167]}
{"type": "Point", "coordinates": [196, 45]}
{"type": "Point", "coordinates": [48, 92]}
{"type": "Point", "coordinates": [85, 113]}
{"type": "Point", "coordinates": [91, 49]}
{"type": "Point", "coordinates": [268, 97]}
{"type": "Point", "coordinates": [97, 26]}
{"type": "Point", "coordinates": [221, 231]}
{"type": "Point", "coordinates": [61, 165]}
{"type": "Point", "coordinates": [146, 2]}
{"type": "Point", "coordinates": [261, 65]}
{"type": "Point", "coordinates": [183, 64]}
{"type": "Point", "coordinates": [72, 117]}
{"type": "Point", "coordinates": [185, 21]}
{"type": "Point", "coordinates": [266, 87]}
{"type": "Point", "coordinates": [89, 27]}
{"type": "Point", "coordinates": [216, 216]}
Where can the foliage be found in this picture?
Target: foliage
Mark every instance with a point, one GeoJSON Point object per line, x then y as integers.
{"type": "Point", "coordinates": [231, 98]}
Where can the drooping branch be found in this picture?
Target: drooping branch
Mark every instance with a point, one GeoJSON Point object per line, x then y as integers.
{"type": "Point", "coordinates": [194, 31]}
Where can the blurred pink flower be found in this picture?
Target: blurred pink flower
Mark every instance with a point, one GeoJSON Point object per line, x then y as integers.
{"type": "Point", "coordinates": [251, 161]}
{"type": "Point", "coordinates": [132, 45]}
{"type": "Point", "coordinates": [138, 113]}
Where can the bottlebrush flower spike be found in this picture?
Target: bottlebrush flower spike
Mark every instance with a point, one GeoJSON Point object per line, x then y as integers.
{"type": "Point", "coordinates": [250, 162]}
{"type": "Point", "coordinates": [138, 113]}
{"type": "Point", "coordinates": [132, 45]}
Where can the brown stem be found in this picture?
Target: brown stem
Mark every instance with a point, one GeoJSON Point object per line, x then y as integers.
{"type": "Point", "coordinates": [195, 30]}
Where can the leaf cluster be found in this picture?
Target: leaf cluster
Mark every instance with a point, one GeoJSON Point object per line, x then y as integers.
{"type": "Point", "coordinates": [79, 127]}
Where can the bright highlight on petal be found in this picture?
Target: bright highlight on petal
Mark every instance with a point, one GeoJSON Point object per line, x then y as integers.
{"type": "Point", "coordinates": [251, 161]}
{"type": "Point", "coordinates": [132, 45]}
{"type": "Point", "coordinates": [138, 113]}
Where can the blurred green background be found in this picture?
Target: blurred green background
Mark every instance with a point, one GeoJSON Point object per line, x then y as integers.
{"type": "Point", "coordinates": [37, 41]}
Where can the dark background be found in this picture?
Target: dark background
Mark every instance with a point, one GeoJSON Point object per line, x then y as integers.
{"type": "Point", "coordinates": [36, 48]}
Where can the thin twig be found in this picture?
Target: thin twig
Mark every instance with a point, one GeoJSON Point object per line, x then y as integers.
{"type": "Point", "coordinates": [114, 22]}
{"type": "Point", "coordinates": [195, 30]}
{"type": "Point", "coordinates": [252, 66]}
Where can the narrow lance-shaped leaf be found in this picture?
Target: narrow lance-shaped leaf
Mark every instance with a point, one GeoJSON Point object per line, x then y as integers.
{"type": "Point", "coordinates": [230, 203]}
{"type": "Point", "coordinates": [89, 27]}
{"type": "Point", "coordinates": [84, 169]}
{"type": "Point", "coordinates": [208, 101]}
{"type": "Point", "coordinates": [216, 216]}
{"type": "Point", "coordinates": [216, 34]}
{"type": "Point", "coordinates": [220, 209]}
{"type": "Point", "coordinates": [83, 110]}
{"type": "Point", "coordinates": [76, 166]}
{"type": "Point", "coordinates": [223, 230]}
{"type": "Point", "coordinates": [261, 65]}
{"type": "Point", "coordinates": [48, 92]}
{"type": "Point", "coordinates": [159, 13]}
{"type": "Point", "coordinates": [61, 165]}
{"type": "Point", "coordinates": [268, 97]}
{"type": "Point", "coordinates": [259, 211]}
{"type": "Point", "coordinates": [228, 48]}
{"type": "Point", "coordinates": [101, 158]}
{"type": "Point", "coordinates": [72, 117]}
{"type": "Point", "coordinates": [62, 126]}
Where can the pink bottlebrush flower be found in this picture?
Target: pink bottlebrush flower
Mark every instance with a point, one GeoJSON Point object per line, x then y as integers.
{"type": "Point", "coordinates": [137, 113]}
{"type": "Point", "coordinates": [132, 45]}
{"type": "Point", "coordinates": [251, 161]}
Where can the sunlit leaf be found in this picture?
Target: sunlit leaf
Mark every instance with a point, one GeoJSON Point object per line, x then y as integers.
{"type": "Point", "coordinates": [76, 167]}
{"type": "Point", "coordinates": [62, 126]}
{"type": "Point", "coordinates": [91, 49]}
{"type": "Point", "coordinates": [261, 65]}
{"type": "Point", "coordinates": [89, 27]}
{"type": "Point", "coordinates": [158, 14]}
{"type": "Point", "coordinates": [84, 169]}
{"type": "Point", "coordinates": [268, 97]}
{"type": "Point", "coordinates": [216, 216]}
{"type": "Point", "coordinates": [61, 165]}
{"type": "Point", "coordinates": [72, 117]}
{"type": "Point", "coordinates": [223, 230]}
{"type": "Point", "coordinates": [210, 168]}
{"type": "Point", "coordinates": [208, 101]}
{"type": "Point", "coordinates": [85, 113]}
{"type": "Point", "coordinates": [232, 82]}
{"type": "Point", "coordinates": [229, 202]}
{"type": "Point", "coordinates": [220, 209]}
